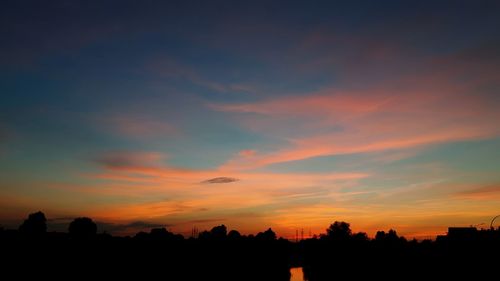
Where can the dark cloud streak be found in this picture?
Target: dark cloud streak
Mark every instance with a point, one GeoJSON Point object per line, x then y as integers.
{"type": "Point", "coordinates": [220, 180]}
{"type": "Point", "coordinates": [61, 225]}
{"type": "Point", "coordinates": [129, 227]}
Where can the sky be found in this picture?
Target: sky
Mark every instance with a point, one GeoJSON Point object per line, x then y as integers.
{"type": "Point", "coordinates": [254, 114]}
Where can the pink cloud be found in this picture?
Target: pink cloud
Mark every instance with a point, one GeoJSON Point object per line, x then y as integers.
{"type": "Point", "coordinates": [323, 102]}
{"type": "Point", "coordinates": [247, 153]}
{"type": "Point", "coordinates": [331, 122]}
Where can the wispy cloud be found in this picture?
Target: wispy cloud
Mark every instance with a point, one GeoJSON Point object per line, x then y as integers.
{"type": "Point", "coordinates": [204, 221]}
{"type": "Point", "coordinates": [139, 126]}
{"type": "Point", "coordinates": [339, 122]}
{"type": "Point", "coordinates": [247, 153]}
{"type": "Point", "coordinates": [135, 166]}
{"type": "Point", "coordinates": [220, 180]}
{"type": "Point", "coordinates": [128, 228]}
{"type": "Point", "coordinates": [171, 68]}
{"type": "Point", "coordinates": [126, 159]}
{"type": "Point", "coordinates": [490, 192]}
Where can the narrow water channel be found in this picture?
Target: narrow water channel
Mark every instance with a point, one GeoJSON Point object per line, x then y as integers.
{"type": "Point", "coordinates": [296, 274]}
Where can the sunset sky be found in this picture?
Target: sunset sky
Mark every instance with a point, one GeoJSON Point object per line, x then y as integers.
{"type": "Point", "coordinates": [290, 115]}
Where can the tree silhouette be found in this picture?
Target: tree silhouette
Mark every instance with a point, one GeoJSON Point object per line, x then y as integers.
{"type": "Point", "coordinates": [266, 235]}
{"type": "Point", "coordinates": [82, 228]}
{"type": "Point", "coordinates": [204, 235]}
{"type": "Point", "coordinates": [360, 237]}
{"type": "Point", "coordinates": [34, 225]}
{"type": "Point", "coordinates": [219, 232]}
{"type": "Point", "coordinates": [141, 235]}
{"type": "Point", "coordinates": [389, 237]}
{"type": "Point", "coordinates": [232, 256]}
{"type": "Point", "coordinates": [380, 236]}
{"type": "Point", "coordinates": [234, 234]}
{"type": "Point", "coordinates": [161, 234]}
{"type": "Point", "coordinates": [339, 230]}
{"type": "Point", "coordinates": [392, 235]}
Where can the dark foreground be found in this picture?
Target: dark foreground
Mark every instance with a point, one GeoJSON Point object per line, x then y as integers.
{"type": "Point", "coordinates": [218, 255]}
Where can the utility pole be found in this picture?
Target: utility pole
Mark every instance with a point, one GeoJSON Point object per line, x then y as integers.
{"type": "Point", "coordinates": [194, 232]}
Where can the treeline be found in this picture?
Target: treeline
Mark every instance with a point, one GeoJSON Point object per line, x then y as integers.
{"type": "Point", "coordinates": [83, 253]}
{"type": "Point", "coordinates": [221, 255]}
{"type": "Point", "coordinates": [342, 254]}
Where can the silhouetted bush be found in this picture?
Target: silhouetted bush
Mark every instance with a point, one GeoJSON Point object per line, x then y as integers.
{"type": "Point", "coordinates": [34, 225]}
{"type": "Point", "coordinates": [82, 228]}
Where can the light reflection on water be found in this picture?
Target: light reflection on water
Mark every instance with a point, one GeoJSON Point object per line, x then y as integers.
{"type": "Point", "coordinates": [296, 274]}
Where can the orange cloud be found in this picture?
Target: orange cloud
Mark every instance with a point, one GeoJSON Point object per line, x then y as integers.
{"type": "Point", "coordinates": [137, 180]}
{"type": "Point", "coordinates": [491, 192]}
{"type": "Point", "coordinates": [150, 167]}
